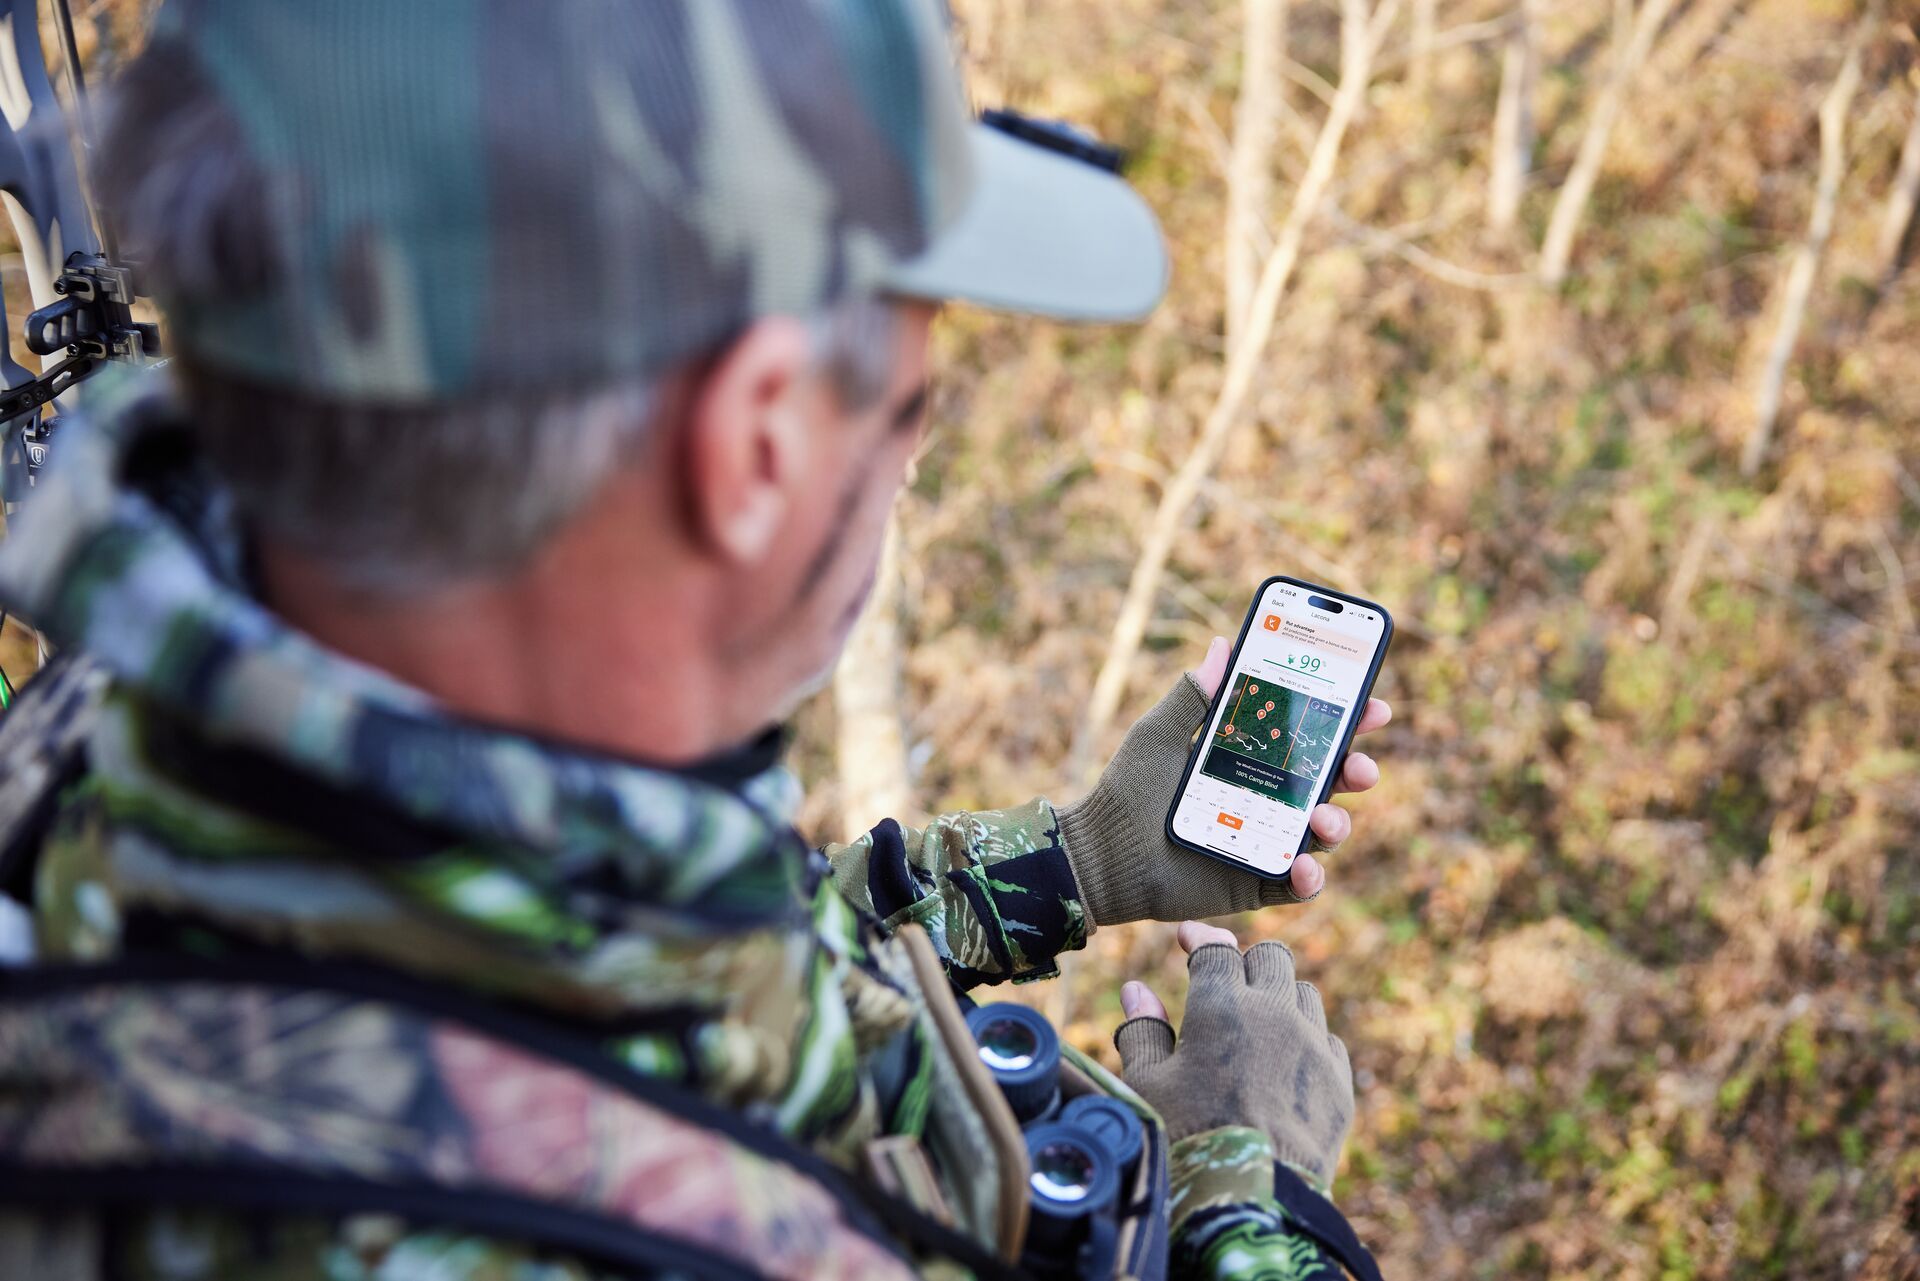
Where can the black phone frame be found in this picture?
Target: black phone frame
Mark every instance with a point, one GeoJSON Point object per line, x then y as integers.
{"type": "Point", "coordinates": [1346, 742]}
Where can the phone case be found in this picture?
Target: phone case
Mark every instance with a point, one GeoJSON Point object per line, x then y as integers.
{"type": "Point", "coordinates": [1346, 742]}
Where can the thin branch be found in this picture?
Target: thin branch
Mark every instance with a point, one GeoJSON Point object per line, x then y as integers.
{"type": "Point", "coordinates": [875, 781]}
{"type": "Point", "coordinates": [1806, 257]}
{"type": "Point", "coordinates": [1210, 614]}
{"type": "Point", "coordinates": [1292, 527]}
{"type": "Point", "coordinates": [1359, 40]}
{"type": "Point", "coordinates": [1909, 483]}
{"type": "Point", "coordinates": [1303, 135]}
{"type": "Point", "coordinates": [1452, 38]}
{"type": "Point", "coordinates": [1571, 206]}
{"type": "Point", "coordinates": [1212, 137]}
{"type": "Point", "coordinates": [1692, 34]}
{"type": "Point", "coordinates": [1674, 611]}
{"type": "Point", "coordinates": [1185, 631]}
{"type": "Point", "coordinates": [1383, 241]}
{"type": "Point", "coordinates": [1896, 579]}
{"type": "Point", "coordinates": [1746, 569]}
{"type": "Point", "coordinates": [1310, 80]}
{"type": "Point", "coordinates": [1132, 460]}
{"type": "Point", "coordinates": [1901, 198]}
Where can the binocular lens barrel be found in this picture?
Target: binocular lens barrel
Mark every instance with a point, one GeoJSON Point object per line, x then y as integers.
{"type": "Point", "coordinates": [1113, 1123]}
{"type": "Point", "coordinates": [1022, 1051]}
{"type": "Point", "coordinates": [1074, 1179]}
{"type": "Point", "coordinates": [1077, 1155]}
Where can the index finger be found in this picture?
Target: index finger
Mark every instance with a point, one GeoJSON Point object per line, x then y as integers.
{"type": "Point", "coordinates": [1376, 716]}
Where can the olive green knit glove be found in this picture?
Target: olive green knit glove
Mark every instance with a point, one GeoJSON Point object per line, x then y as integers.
{"type": "Point", "coordinates": [1253, 1050]}
{"type": "Point", "coordinates": [1116, 836]}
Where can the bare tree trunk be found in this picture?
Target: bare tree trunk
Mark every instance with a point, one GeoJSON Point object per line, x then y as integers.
{"type": "Point", "coordinates": [1571, 206]}
{"type": "Point", "coordinates": [1513, 123]}
{"type": "Point", "coordinates": [1900, 203]}
{"type": "Point", "coordinates": [1806, 257]}
{"type": "Point", "coordinates": [872, 740]}
{"type": "Point", "coordinates": [1421, 53]}
{"type": "Point", "coordinates": [1250, 162]}
{"type": "Point", "coordinates": [1359, 41]}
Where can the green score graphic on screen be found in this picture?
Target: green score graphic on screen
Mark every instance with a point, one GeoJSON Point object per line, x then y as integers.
{"type": "Point", "coordinates": [1273, 741]}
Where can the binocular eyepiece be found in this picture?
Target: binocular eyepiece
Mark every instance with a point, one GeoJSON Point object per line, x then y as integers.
{"type": "Point", "coordinates": [1113, 1123]}
{"type": "Point", "coordinates": [1022, 1051]}
{"type": "Point", "coordinates": [1080, 1154]}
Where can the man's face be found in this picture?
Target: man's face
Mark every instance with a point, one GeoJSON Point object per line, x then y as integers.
{"type": "Point", "coordinates": [798, 605]}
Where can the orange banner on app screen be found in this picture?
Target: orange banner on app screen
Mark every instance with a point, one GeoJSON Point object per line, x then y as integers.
{"type": "Point", "coordinates": [1228, 820]}
{"type": "Point", "coordinates": [1352, 647]}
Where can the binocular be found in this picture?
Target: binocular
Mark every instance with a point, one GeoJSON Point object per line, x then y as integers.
{"type": "Point", "coordinates": [1081, 1153]}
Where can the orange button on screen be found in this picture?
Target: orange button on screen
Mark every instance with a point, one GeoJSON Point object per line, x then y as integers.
{"type": "Point", "coordinates": [1271, 622]}
{"type": "Point", "coordinates": [1228, 820]}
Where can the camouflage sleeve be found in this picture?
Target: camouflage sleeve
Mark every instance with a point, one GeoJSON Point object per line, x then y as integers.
{"type": "Point", "coordinates": [992, 888]}
{"type": "Point", "coordinates": [1225, 1224]}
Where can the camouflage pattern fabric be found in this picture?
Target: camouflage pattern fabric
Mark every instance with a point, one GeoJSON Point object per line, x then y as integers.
{"type": "Point", "coordinates": [1226, 1222]}
{"type": "Point", "coordinates": [1251, 1242]}
{"type": "Point", "coordinates": [189, 1246]}
{"type": "Point", "coordinates": [992, 887]}
{"type": "Point", "coordinates": [40, 735]}
{"type": "Point", "coordinates": [288, 1080]}
{"type": "Point", "coordinates": [468, 198]}
{"type": "Point", "coordinates": [248, 788]}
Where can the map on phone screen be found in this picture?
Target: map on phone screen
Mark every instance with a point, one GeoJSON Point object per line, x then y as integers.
{"type": "Point", "coordinates": [1273, 740]}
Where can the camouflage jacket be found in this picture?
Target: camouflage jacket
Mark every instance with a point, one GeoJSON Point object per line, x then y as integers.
{"type": "Point", "coordinates": [247, 790]}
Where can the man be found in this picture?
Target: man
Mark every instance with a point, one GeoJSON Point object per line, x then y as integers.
{"type": "Point", "coordinates": [416, 896]}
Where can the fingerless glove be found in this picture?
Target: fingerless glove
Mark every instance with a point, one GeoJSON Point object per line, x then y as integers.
{"type": "Point", "coordinates": [1116, 840]}
{"type": "Point", "coordinates": [1253, 1050]}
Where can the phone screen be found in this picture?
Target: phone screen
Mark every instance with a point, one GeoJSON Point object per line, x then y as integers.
{"type": "Point", "coordinates": [1295, 685]}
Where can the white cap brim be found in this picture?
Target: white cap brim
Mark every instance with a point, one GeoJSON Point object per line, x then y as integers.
{"type": "Point", "coordinates": [1043, 234]}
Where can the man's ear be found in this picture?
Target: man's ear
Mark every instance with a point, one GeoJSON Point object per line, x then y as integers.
{"type": "Point", "coordinates": [746, 439]}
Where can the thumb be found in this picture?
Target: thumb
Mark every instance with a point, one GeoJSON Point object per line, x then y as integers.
{"type": "Point", "coordinates": [1137, 1001]}
{"type": "Point", "coordinates": [1146, 1038]}
{"type": "Point", "coordinates": [1143, 1043]}
{"type": "Point", "coordinates": [1213, 668]}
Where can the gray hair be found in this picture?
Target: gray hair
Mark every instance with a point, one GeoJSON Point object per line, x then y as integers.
{"type": "Point", "coordinates": [390, 497]}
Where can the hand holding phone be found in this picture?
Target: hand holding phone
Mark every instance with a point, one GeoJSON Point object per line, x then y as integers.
{"type": "Point", "coordinates": [1117, 841]}
{"type": "Point", "coordinates": [1279, 728]}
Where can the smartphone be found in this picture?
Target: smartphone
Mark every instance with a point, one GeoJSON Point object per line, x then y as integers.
{"type": "Point", "coordinates": [1279, 728]}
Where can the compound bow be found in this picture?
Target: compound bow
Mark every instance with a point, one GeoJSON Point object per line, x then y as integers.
{"type": "Point", "coordinates": [82, 292]}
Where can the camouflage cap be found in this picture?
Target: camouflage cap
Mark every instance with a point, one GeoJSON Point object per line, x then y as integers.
{"type": "Point", "coordinates": [474, 196]}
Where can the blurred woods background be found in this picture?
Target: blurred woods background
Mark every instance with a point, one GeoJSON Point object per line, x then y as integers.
{"type": "Point", "coordinates": [1585, 335]}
